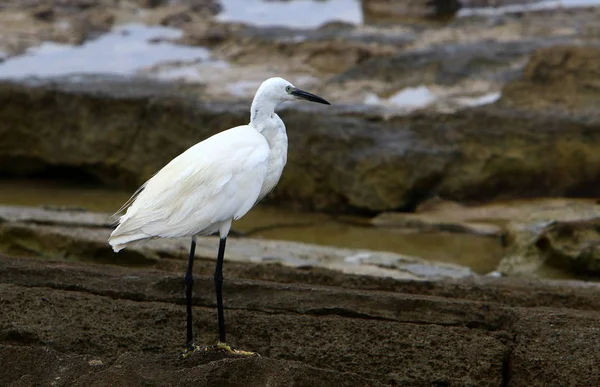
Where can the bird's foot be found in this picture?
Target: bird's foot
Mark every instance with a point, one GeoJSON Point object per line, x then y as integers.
{"type": "Point", "coordinates": [189, 349]}
{"type": "Point", "coordinates": [226, 347]}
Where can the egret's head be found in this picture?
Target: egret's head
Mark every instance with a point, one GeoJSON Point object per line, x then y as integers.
{"type": "Point", "coordinates": [279, 90]}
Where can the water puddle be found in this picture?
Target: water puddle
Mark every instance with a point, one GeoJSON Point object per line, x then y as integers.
{"type": "Point", "coordinates": [411, 99]}
{"type": "Point", "coordinates": [533, 7]}
{"type": "Point", "coordinates": [292, 14]}
{"type": "Point", "coordinates": [482, 254]}
{"type": "Point", "coordinates": [125, 50]}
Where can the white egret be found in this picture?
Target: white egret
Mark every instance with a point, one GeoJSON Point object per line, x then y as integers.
{"type": "Point", "coordinates": [201, 191]}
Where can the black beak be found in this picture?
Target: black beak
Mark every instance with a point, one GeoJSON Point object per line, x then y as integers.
{"type": "Point", "coordinates": [308, 96]}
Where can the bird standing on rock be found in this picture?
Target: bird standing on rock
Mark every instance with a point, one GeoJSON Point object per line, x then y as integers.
{"type": "Point", "coordinates": [204, 189]}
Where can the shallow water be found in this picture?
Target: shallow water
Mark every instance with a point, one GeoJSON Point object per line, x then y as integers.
{"type": "Point", "coordinates": [125, 50]}
{"type": "Point", "coordinates": [482, 254]}
{"type": "Point", "coordinates": [293, 14]}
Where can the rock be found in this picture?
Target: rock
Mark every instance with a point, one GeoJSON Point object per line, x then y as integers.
{"type": "Point", "coordinates": [446, 64]}
{"type": "Point", "coordinates": [569, 246]}
{"type": "Point", "coordinates": [495, 3]}
{"type": "Point", "coordinates": [349, 159]}
{"type": "Point", "coordinates": [389, 11]}
{"type": "Point", "coordinates": [125, 325]}
{"type": "Point", "coordinates": [80, 236]}
{"type": "Point", "coordinates": [177, 19]}
{"type": "Point", "coordinates": [561, 234]}
{"type": "Point", "coordinates": [46, 366]}
{"type": "Point", "coordinates": [90, 25]}
{"type": "Point", "coordinates": [564, 78]}
{"type": "Point", "coordinates": [44, 13]}
{"type": "Point", "coordinates": [324, 51]}
{"type": "Point", "coordinates": [500, 213]}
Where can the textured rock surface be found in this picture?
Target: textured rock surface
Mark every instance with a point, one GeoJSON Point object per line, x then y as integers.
{"type": "Point", "coordinates": [85, 322]}
{"type": "Point", "coordinates": [121, 133]}
{"type": "Point", "coordinates": [82, 236]}
{"type": "Point", "coordinates": [561, 234]}
{"type": "Point", "coordinates": [564, 78]}
{"type": "Point", "coordinates": [570, 246]}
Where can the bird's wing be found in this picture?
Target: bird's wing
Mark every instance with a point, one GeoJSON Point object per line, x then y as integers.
{"type": "Point", "coordinates": [215, 180]}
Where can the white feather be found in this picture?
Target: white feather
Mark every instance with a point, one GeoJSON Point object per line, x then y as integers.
{"type": "Point", "coordinates": [214, 181]}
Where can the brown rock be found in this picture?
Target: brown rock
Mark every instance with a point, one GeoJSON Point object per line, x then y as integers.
{"type": "Point", "coordinates": [46, 366]}
{"type": "Point", "coordinates": [91, 24]}
{"type": "Point", "coordinates": [390, 11]}
{"type": "Point", "coordinates": [123, 132]}
{"type": "Point", "coordinates": [565, 78]}
{"type": "Point", "coordinates": [560, 234]}
{"type": "Point", "coordinates": [569, 246]}
{"type": "Point", "coordinates": [92, 323]}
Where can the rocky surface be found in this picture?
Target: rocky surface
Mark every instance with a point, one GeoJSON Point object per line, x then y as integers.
{"type": "Point", "coordinates": [341, 158]}
{"type": "Point", "coordinates": [539, 139]}
{"type": "Point", "coordinates": [382, 11]}
{"type": "Point", "coordinates": [74, 324]}
{"type": "Point", "coordinates": [540, 234]}
{"type": "Point", "coordinates": [560, 78]}
{"type": "Point", "coordinates": [82, 236]}
{"type": "Point", "coordinates": [571, 246]}
{"type": "Point", "coordinates": [28, 23]}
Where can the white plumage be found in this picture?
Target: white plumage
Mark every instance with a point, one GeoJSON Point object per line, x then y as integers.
{"type": "Point", "coordinates": [216, 181]}
{"type": "Point", "coordinates": [200, 191]}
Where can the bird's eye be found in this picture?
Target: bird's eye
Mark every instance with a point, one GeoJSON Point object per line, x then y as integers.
{"type": "Point", "coordinates": [288, 89]}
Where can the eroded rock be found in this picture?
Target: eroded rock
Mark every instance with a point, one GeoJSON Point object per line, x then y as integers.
{"type": "Point", "coordinates": [558, 233]}
{"type": "Point", "coordinates": [341, 158]}
{"type": "Point", "coordinates": [126, 325]}
{"type": "Point", "coordinates": [389, 11]}
{"type": "Point", "coordinates": [81, 236]}
{"type": "Point", "coordinates": [570, 246]}
{"type": "Point", "coordinates": [564, 78]}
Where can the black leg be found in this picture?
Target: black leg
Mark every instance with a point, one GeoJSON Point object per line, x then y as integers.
{"type": "Point", "coordinates": [189, 283]}
{"type": "Point", "coordinates": [219, 288]}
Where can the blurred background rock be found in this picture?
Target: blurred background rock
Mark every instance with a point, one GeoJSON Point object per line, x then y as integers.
{"type": "Point", "coordinates": [467, 104]}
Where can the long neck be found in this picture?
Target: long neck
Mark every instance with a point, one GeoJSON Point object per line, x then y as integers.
{"type": "Point", "coordinates": [262, 109]}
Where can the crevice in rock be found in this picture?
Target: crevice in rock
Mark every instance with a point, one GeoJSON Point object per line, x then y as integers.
{"type": "Point", "coordinates": [332, 311]}
{"type": "Point", "coordinates": [507, 363]}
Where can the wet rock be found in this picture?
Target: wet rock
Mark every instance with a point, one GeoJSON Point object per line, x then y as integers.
{"type": "Point", "coordinates": [389, 11]}
{"type": "Point", "coordinates": [90, 25]}
{"type": "Point", "coordinates": [44, 13]}
{"type": "Point", "coordinates": [325, 51]}
{"type": "Point", "coordinates": [561, 234]}
{"type": "Point", "coordinates": [569, 246]}
{"type": "Point", "coordinates": [565, 78]}
{"type": "Point", "coordinates": [176, 19]}
{"type": "Point", "coordinates": [30, 23]}
{"type": "Point", "coordinates": [495, 3]}
{"type": "Point", "coordinates": [446, 64]}
{"type": "Point", "coordinates": [349, 159]}
{"type": "Point", "coordinates": [82, 236]}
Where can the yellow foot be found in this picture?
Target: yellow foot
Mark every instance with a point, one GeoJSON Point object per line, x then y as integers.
{"type": "Point", "coordinates": [189, 350]}
{"type": "Point", "coordinates": [225, 347]}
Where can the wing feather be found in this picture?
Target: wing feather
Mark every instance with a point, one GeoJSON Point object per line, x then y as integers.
{"type": "Point", "coordinates": [215, 180]}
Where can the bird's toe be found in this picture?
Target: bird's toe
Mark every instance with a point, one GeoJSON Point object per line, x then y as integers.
{"type": "Point", "coordinates": [189, 350]}
{"type": "Point", "coordinates": [226, 347]}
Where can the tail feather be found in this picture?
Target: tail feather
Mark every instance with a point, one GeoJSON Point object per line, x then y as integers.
{"type": "Point", "coordinates": [119, 242]}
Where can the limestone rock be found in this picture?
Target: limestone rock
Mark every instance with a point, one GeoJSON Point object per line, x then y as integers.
{"type": "Point", "coordinates": [565, 78]}
{"type": "Point", "coordinates": [341, 159]}
{"type": "Point", "coordinates": [82, 236]}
